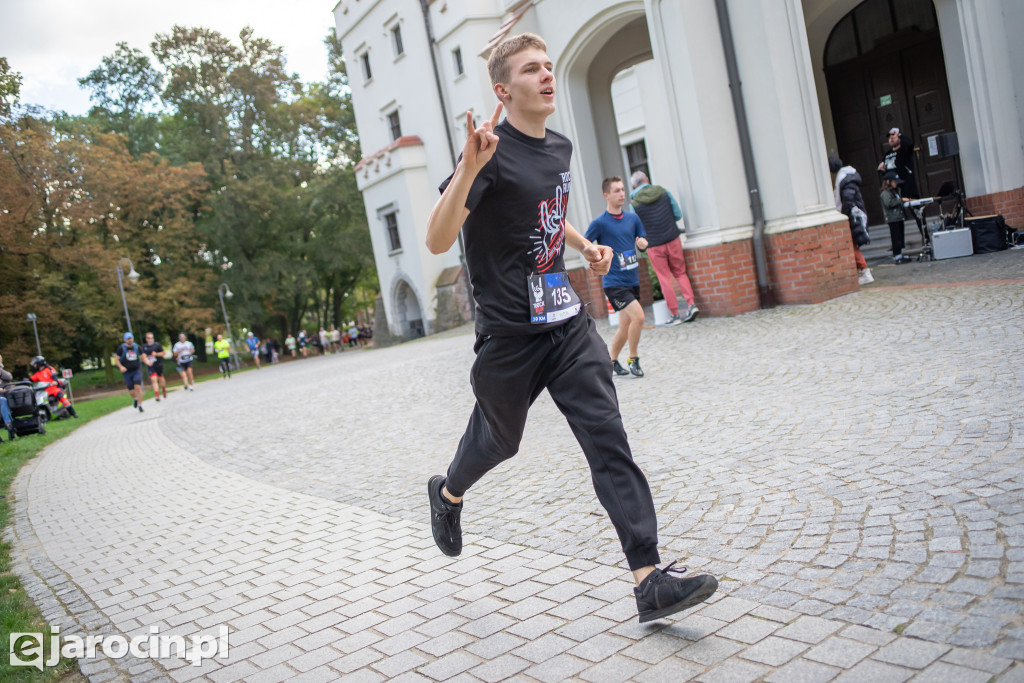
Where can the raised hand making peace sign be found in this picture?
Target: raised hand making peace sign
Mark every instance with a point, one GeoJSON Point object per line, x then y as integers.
{"type": "Point", "coordinates": [450, 211]}
{"type": "Point", "coordinates": [480, 142]}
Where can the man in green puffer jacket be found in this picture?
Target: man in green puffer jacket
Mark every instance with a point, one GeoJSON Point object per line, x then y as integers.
{"type": "Point", "coordinates": [659, 212]}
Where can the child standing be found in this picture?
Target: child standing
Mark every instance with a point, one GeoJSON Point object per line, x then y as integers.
{"type": "Point", "coordinates": [892, 203]}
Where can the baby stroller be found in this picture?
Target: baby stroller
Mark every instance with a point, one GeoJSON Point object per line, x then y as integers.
{"type": "Point", "coordinates": [26, 416]}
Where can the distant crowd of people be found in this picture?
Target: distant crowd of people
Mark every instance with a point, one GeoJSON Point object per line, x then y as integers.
{"type": "Point", "coordinates": [326, 341]}
{"type": "Point", "coordinates": [322, 342]}
{"type": "Point", "coordinates": [134, 361]}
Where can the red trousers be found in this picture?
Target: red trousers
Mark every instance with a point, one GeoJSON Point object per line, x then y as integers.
{"type": "Point", "coordinates": [670, 266]}
{"type": "Point", "coordinates": [862, 263]}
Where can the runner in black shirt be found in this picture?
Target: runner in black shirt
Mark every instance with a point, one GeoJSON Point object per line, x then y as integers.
{"type": "Point", "coordinates": [900, 160]}
{"type": "Point", "coordinates": [532, 334]}
{"type": "Point", "coordinates": [154, 352]}
{"type": "Point", "coordinates": [129, 361]}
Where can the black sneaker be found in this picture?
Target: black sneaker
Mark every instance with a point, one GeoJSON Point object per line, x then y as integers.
{"type": "Point", "coordinates": [445, 519]}
{"type": "Point", "coordinates": [619, 370]}
{"type": "Point", "coordinates": [661, 594]}
{"type": "Point", "coordinates": [141, 410]}
{"type": "Point", "coordinates": [634, 367]}
{"type": "Point", "coordinates": [135, 403]}
{"type": "Point", "coordinates": [691, 313]}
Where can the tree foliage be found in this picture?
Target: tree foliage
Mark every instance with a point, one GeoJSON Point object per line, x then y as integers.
{"type": "Point", "coordinates": [213, 165]}
{"type": "Point", "coordinates": [10, 88]}
{"type": "Point", "coordinates": [73, 207]}
{"type": "Point", "coordinates": [121, 87]}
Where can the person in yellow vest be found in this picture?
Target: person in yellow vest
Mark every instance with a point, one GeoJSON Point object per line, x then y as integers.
{"type": "Point", "coordinates": [223, 349]}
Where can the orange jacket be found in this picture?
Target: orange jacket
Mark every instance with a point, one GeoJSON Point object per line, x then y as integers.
{"type": "Point", "coordinates": [47, 374]}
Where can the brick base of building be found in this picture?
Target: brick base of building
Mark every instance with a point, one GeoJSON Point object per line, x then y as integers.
{"type": "Point", "coordinates": [813, 265]}
{"type": "Point", "coordinates": [804, 267]}
{"type": "Point", "coordinates": [1010, 204]}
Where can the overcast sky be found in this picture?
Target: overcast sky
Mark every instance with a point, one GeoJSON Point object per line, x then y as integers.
{"type": "Point", "coordinates": [53, 43]}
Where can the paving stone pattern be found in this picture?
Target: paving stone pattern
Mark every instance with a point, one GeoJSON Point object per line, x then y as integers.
{"type": "Point", "coordinates": [851, 471]}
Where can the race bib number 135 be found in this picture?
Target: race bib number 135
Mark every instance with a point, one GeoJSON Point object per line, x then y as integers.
{"type": "Point", "coordinates": [552, 298]}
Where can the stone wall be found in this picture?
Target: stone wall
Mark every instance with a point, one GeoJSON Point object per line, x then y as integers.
{"type": "Point", "coordinates": [454, 307]}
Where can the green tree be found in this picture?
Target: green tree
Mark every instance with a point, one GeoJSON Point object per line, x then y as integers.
{"type": "Point", "coordinates": [75, 206]}
{"type": "Point", "coordinates": [285, 221]}
{"type": "Point", "coordinates": [121, 88]}
{"type": "Point", "coordinates": [10, 88]}
{"type": "Point", "coordinates": [223, 96]}
{"type": "Point", "coordinates": [245, 177]}
{"type": "Point", "coordinates": [341, 257]}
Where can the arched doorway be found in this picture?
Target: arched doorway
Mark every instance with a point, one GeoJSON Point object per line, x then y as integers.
{"type": "Point", "coordinates": [408, 314]}
{"type": "Point", "coordinates": [614, 40]}
{"type": "Point", "coordinates": [884, 68]}
{"type": "Point", "coordinates": [591, 61]}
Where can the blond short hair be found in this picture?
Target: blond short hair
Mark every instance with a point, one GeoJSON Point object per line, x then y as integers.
{"type": "Point", "coordinates": [498, 63]}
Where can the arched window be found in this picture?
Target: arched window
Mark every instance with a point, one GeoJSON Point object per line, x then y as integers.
{"type": "Point", "coordinates": [860, 31]}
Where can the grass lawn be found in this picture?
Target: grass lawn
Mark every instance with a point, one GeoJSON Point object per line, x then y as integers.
{"type": "Point", "coordinates": [17, 612]}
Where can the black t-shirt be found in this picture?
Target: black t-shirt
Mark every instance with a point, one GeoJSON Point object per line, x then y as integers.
{"type": "Point", "coordinates": [516, 228]}
{"type": "Point", "coordinates": [902, 161]}
{"type": "Point", "coordinates": [129, 356]}
{"type": "Point", "coordinates": [156, 353]}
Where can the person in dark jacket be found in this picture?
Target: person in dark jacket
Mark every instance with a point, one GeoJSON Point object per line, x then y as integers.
{"type": "Point", "coordinates": [659, 212]}
{"type": "Point", "coordinates": [892, 203]}
{"type": "Point", "coordinates": [900, 160]}
{"type": "Point", "coordinates": [848, 197]}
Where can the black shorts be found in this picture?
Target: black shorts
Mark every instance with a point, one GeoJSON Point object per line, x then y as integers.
{"type": "Point", "coordinates": [156, 369]}
{"type": "Point", "coordinates": [620, 297]}
{"type": "Point", "coordinates": [187, 365]}
{"type": "Point", "coordinates": [133, 378]}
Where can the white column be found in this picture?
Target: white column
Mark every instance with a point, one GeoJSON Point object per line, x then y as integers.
{"type": "Point", "coordinates": [782, 112]}
{"type": "Point", "coordinates": [979, 41]}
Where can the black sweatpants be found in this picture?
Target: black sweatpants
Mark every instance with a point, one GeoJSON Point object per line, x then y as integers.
{"type": "Point", "coordinates": [896, 230]}
{"type": "Point", "coordinates": [571, 362]}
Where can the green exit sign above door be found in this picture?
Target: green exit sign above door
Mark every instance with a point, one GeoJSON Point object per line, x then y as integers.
{"type": "Point", "coordinates": [885, 100]}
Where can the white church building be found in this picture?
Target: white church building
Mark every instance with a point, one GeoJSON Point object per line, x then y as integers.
{"type": "Point", "coordinates": [653, 85]}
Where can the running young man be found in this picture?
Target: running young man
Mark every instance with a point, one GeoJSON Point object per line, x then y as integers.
{"type": "Point", "coordinates": [129, 359]}
{"type": "Point", "coordinates": [184, 353]}
{"type": "Point", "coordinates": [154, 352]}
{"type": "Point", "coordinates": [253, 342]}
{"type": "Point", "coordinates": [624, 233]}
{"type": "Point", "coordinates": [509, 194]}
{"type": "Point", "coordinates": [223, 349]}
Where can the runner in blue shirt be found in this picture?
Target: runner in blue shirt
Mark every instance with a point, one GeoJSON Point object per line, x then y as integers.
{"type": "Point", "coordinates": [253, 342]}
{"type": "Point", "coordinates": [624, 233]}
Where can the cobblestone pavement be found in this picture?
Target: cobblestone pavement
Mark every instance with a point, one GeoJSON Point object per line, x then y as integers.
{"type": "Point", "coordinates": [851, 470]}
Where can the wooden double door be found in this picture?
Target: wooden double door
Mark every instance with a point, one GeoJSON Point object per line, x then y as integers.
{"type": "Point", "coordinates": [900, 84]}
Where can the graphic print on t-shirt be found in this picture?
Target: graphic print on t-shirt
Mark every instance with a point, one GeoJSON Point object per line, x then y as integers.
{"type": "Point", "coordinates": [551, 226]}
